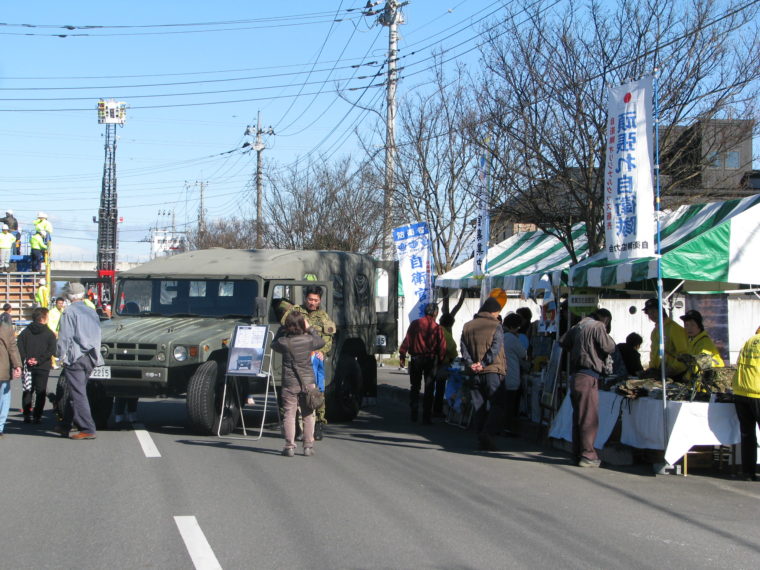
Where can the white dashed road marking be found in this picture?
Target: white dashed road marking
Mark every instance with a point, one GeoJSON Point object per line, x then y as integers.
{"type": "Point", "coordinates": [197, 545]}
{"type": "Point", "coordinates": [146, 442]}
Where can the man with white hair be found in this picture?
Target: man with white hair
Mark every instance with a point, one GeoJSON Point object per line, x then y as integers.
{"type": "Point", "coordinates": [79, 352]}
{"type": "Point", "coordinates": [7, 241]}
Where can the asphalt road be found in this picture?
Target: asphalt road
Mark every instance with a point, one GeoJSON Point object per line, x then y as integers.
{"type": "Point", "coordinates": [381, 492]}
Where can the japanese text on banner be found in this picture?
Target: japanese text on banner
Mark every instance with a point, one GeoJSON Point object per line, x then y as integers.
{"type": "Point", "coordinates": [413, 252]}
{"type": "Point", "coordinates": [628, 188]}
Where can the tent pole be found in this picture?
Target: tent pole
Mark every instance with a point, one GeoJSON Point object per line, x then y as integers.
{"type": "Point", "coordinates": [658, 254]}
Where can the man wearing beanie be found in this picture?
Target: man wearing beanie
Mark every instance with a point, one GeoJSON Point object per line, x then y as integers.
{"type": "Point", "coordinates": [482, 349]}
{"type": "Point", "coordinates": [425, 343]}
{"type": "Point", "coordinates": [79, 352]}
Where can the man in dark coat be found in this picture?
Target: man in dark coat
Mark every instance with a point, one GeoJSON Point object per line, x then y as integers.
{"type": "Point", "coordinates": [37, 344]}
{"type": "Point", "coordinates": [589, 343]}
{"type": "Point", "coordinates": [482, 348]}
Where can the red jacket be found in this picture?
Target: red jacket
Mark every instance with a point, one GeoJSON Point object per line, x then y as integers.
{"type": "Point", "coordinates": [424, 338]}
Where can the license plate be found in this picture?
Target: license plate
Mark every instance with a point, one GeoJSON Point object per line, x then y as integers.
{"type": "Point", "coordinates": [101, 372]}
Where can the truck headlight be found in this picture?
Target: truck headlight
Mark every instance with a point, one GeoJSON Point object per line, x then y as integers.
{"type": "Point", "coordinates": [180, 353]}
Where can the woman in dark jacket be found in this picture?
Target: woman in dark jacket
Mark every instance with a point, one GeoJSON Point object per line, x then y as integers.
{"type": "Point", "coordinates": [295, 341]}
{"type": "Point", "coordinates": [36, 344]}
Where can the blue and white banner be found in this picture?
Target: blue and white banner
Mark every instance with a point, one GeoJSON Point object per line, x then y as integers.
{"type": "Point", "coordinates": [413, 253]}
{"type": "Point", "coordinates": [628, 176]}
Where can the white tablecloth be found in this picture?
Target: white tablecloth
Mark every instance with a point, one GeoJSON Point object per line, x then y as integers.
{"type": "Point", "coordinates": [609, 411]}
{"type": "Point", "coordinates": [689, 424]}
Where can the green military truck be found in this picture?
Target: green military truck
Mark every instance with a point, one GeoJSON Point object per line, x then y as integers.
{"type": "Point", "coordinates": [174, 317]}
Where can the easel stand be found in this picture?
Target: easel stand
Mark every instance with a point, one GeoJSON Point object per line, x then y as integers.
{"type": "Point", "coordinates": [266, 371]}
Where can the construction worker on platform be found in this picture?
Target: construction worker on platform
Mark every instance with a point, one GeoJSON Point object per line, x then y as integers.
{"type": "Point", "coordinates": [42, 223]}
{"type": "Point", "coordinates": [42, 295]}
{"type": "Point", "coordinates": [38, 245]}
{"type": "Point", "coordinates": [12, 224]}
{"type": "Point", "coordinates": [7, 241]}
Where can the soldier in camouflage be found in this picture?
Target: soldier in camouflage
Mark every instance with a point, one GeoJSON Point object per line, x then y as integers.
{"type": "Point", "coordinates": [320, 321]}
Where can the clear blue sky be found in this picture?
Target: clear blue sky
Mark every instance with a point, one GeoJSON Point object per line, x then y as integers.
{"type": "Point", "coordinates": [194, 75]}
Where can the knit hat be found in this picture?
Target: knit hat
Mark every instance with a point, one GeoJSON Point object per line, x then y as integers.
{"type": "Point", "coordinates": [490, 306]}
{"type": "Point", "coordinates": [500, 295]}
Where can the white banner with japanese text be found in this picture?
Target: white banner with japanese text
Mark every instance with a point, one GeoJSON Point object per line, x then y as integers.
{"type": "Point", "coordinates": [628, 175]}
{"type": "Point", "coordinates": [413, 253]}
{"type": "Point", "coordinates": [482, 222]}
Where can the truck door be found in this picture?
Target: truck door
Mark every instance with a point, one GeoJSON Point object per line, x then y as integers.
{"type": "Point", "coordinates": [386, 306]}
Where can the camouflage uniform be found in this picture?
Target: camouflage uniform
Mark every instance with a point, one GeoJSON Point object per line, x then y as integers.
{"type": "Point", "coordinates": [321, 322]}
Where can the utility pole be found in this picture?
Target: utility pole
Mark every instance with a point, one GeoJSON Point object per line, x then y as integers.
{"type": "Point", "coordinates": [391, 17]}
{"type": "Point", "coordinates": [201, 211]}
{"type": "Point", "coordinates": [259, 147]}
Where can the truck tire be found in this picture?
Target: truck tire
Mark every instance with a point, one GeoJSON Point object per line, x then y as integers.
{"type": "Point", "coordinates": [204, 393]}
{"type": "Point", "coordinates": [100, 404]}
{"type": "Point", "coordinates": [346, 395]}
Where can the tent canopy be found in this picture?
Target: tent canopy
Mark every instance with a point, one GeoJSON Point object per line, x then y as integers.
{"type": "Point", "coordinates": [703, 244]}
{"type": "Point", "coordinates": [522, 257]}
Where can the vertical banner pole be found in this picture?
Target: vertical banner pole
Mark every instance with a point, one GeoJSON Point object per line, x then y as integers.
{"type": "Point", "coordinates": [658, 253]}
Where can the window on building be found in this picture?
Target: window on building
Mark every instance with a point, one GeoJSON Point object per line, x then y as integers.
{"type": "Point", "coordinates": [732, 159]}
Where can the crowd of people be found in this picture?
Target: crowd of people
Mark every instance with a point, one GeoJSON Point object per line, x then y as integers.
{"type": "Point", "coordinates": [65, 335]}
{"type": "Point", "coordinates": [495, 354]}
{"type": "Point", "coordinates": [10, 240]}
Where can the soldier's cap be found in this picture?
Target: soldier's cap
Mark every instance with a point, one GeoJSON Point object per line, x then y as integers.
{"type": "Point", "coordinates": [5, 227]}
{"type": "Point", "coordinates": [74, 290]}
{"type": "Point", "coordinates": [650, 304]}
{"type": "Point", "coordinates": [693, 315]}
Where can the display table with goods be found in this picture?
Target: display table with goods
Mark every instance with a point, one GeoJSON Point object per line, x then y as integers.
{"type": "Point", "coordinates": [638, 404]}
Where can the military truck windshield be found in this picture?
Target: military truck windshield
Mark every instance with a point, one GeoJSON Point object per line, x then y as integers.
{"type": "Point", "coordinates": [186, 297]}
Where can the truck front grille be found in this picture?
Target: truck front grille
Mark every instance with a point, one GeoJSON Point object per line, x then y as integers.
{"type": "Point", "coordinates": [130, 352]}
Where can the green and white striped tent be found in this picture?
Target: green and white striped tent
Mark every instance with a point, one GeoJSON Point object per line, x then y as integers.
{"type": "Point", "coordinates": [716, 243]}
{"type": "Point", "coordinates": [523, 257]}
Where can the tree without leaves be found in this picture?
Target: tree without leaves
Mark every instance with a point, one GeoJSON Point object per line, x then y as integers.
{"type": "Point", "coordinates": [232, 233]}
{"type": "Point", "coordinates": [324, 206]}
{"type": "Point", "coordinates": [434, 170]}
{"type": "Point", "coordinates": [543, 95]}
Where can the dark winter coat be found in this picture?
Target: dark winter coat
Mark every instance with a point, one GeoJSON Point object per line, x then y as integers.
{"type": "Point", "coordinates": [37, 341]}
{"type": "Point", "coordinates": [296, 357]}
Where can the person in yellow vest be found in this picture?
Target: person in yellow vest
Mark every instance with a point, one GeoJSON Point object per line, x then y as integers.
{"type": "Point", "coordinates": [676, 342]}
{"type": "Point", "coordinates": [89, 300]}
{"type": "Point", "coordinates": [42, 223]}
{"type": "Point", "coordinates": [38, 247]}
{"type": "Point", "coordinates": [7, 241]}
{"type": "Point", "coordinates": [42, 295]}
{"type": "Point", "coordinates": [55, 314]}
{"type": "Point", "coordinates": [699, 341]}
{"type": "Point", "coordinates": [747, 402]}
{"type": "Point", "coordinates": [54, 321]}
